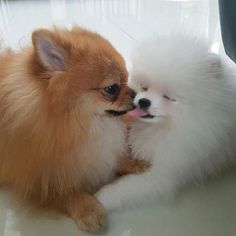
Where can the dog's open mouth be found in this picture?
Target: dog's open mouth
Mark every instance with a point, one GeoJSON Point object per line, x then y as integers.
{"type": "Point", "coordinates": [147, 116]}
{"type": "Point", "coordinates": [116, 113]}
{"type": "Point", "coordinates": [139, 113]}
{"type": "Point", "coordinates": [120, 113]}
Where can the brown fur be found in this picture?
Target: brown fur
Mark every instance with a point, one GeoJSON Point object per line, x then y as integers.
{"type": "Point", "coordinates": [45, 118]}
{"type": "Point", "coordinates": [132, 166]}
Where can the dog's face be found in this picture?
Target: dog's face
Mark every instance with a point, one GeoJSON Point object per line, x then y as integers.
{"type": "Point", "coordinates": [172, 78]}
{"type": "Point", "coordinates": [154, 102]}
{"type": "Point", "coordinates": [82, 71]}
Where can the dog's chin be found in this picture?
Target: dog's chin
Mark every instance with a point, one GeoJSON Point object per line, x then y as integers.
{"type": "Point", "coordinates": [150, 119]}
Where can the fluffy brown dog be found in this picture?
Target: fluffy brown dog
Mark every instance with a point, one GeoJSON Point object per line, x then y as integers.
{"type": "Point", "coordinates": [59, 139]}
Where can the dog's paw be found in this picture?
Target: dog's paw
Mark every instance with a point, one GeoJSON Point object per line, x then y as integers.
{"type": "Point", "coordinates": [87, 212]}
{"type": "Point", "coordinates": [93, 220]}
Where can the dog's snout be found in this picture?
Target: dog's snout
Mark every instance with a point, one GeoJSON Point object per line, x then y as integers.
{"type": "Point", "coordinates": [144, 103]}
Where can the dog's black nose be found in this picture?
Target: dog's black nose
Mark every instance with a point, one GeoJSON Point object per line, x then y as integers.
{"type": "Point", "coordinates": [133, 94]}
{"type": "Point", "coordinates": [144, 103]}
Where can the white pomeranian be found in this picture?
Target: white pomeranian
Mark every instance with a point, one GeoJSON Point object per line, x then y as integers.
{"type": "Point", "coordinates": [185, 119]}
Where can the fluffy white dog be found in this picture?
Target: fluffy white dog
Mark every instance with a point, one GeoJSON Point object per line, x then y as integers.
{"type": "Point", "coordinates": [185, 119]}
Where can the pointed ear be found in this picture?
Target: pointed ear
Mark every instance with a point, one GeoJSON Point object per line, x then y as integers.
{"type": "Point", "coordinates": [50, 54]}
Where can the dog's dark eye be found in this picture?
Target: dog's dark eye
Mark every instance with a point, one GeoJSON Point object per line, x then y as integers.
{"type": "Point", "coordinates": [112, 90]}
{"type": "Point", "coordinates": [144, 89]}
{"type": "Point", "coordinates": [169, 98]}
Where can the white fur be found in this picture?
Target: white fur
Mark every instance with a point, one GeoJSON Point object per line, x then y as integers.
{"type": "Point", "coordinates": [104, 151]}
{"type": "Point", "coordinates": [189, 138]}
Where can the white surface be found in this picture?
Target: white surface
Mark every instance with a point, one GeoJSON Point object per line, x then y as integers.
{"type": "Point", "coordinates": [208, 210]}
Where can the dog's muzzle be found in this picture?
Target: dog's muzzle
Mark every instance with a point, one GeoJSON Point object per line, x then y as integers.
{"type": "Point", "coordinates": [116, 113]}
{"type": "Point", "coordinates": [119, 113]}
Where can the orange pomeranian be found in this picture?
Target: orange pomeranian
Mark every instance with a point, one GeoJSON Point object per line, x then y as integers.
{"type": "Point", "coordinates": [60, 139]}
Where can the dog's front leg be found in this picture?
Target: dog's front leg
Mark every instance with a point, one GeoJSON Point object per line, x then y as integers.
{"type": "Point", "coordinates": [88, 213]}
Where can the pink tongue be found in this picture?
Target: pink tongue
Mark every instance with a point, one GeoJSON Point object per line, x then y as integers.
{"type": "Point", "coordinates": [137, 112]}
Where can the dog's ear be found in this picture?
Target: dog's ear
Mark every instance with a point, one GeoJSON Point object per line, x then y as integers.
{"type": "Point", "coordinates": [50, 52]}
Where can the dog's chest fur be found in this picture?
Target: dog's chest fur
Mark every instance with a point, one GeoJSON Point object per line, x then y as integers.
{"type": "Point", "coordinates": [103, 149]}
{"type": "Point", "coordinates": [143, 144]}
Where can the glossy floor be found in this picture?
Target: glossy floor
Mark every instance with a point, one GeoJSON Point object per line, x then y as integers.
{"type": "Point", "coordinates": [208, 210]}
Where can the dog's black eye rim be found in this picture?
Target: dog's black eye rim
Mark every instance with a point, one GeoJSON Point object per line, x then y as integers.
{"type": "Point", "coordinates": [169, 98]}
{"type": "Point", "coordinates": [112, 90]}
